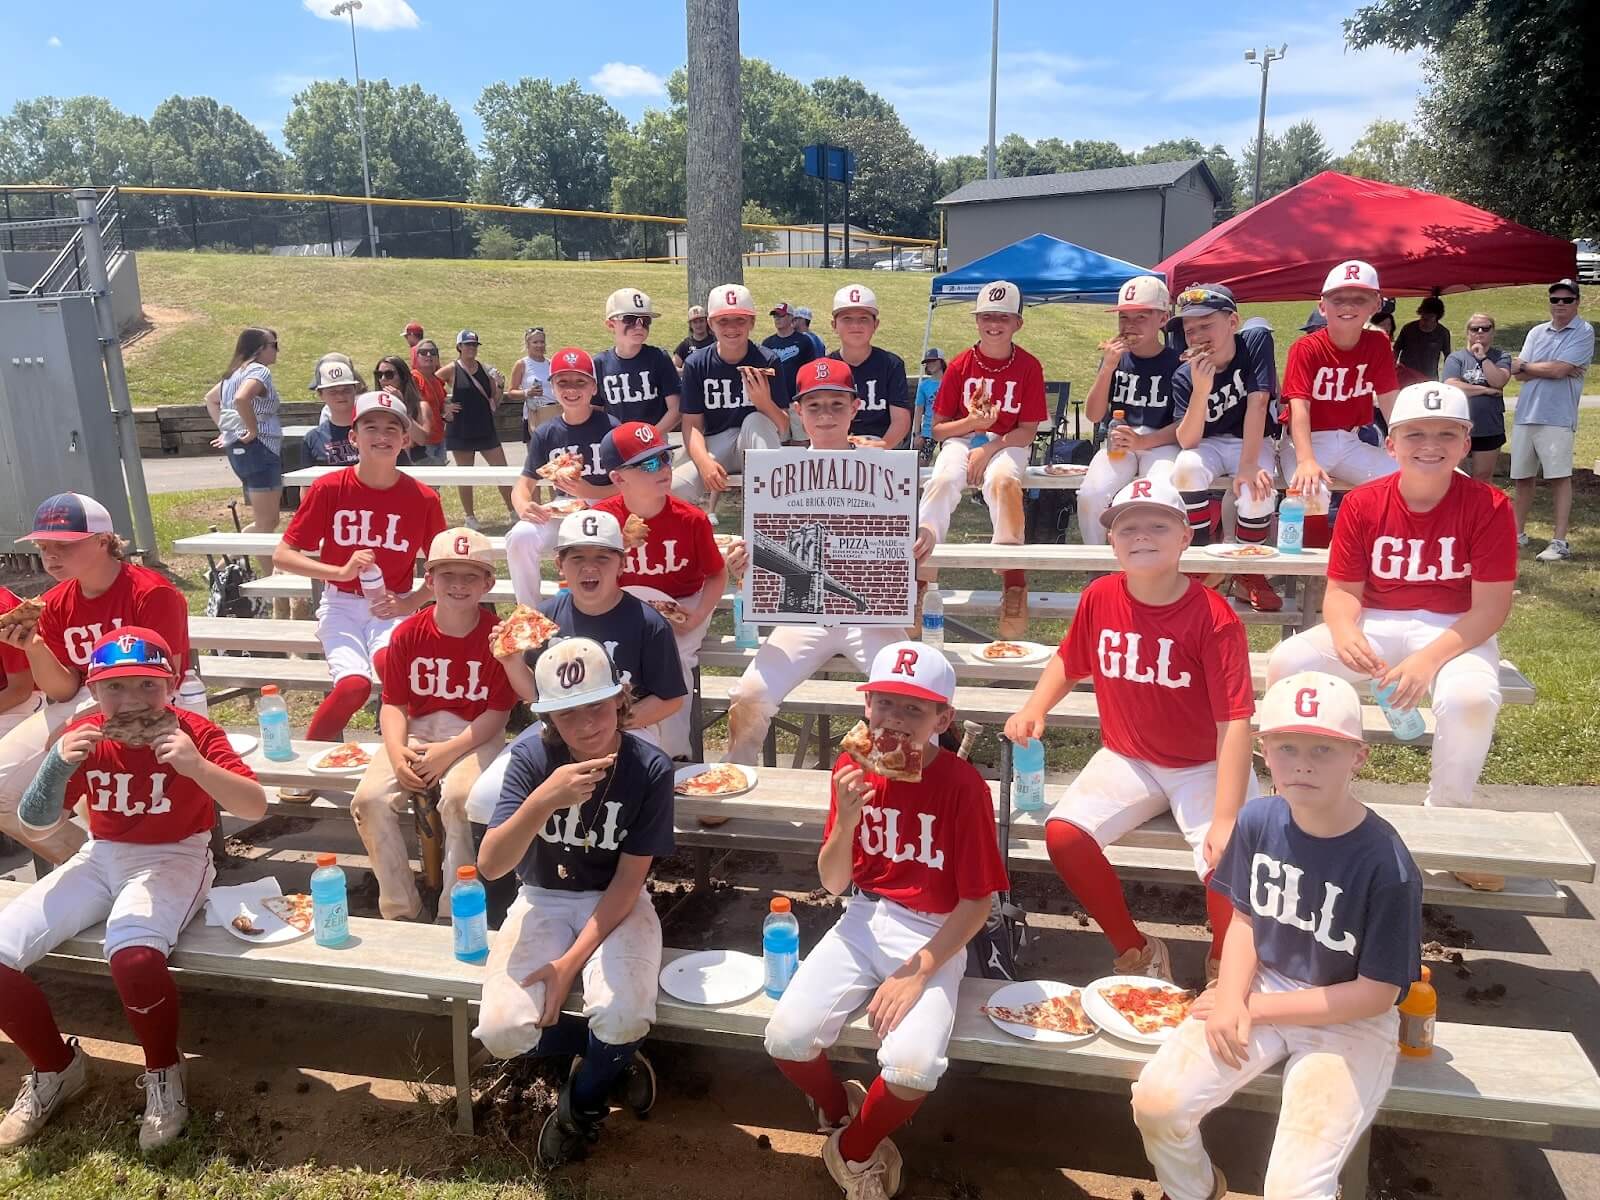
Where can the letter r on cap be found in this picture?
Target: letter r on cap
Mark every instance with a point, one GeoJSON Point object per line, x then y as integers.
{"type": "Point", "coordinates": [905, 663]}
{"type": "Point", "coordinates": [1306, 703]}
{"type": "Point", "coordinates": [1141, 489]}
{"type": "Point", "coordinates": [1351, 271]}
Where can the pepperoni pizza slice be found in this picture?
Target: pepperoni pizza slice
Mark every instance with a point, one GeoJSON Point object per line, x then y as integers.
{"type": "Point", "coordinates": [1148, 1009]}
{"type": "Point", "coordinates": [26, 612]}
{"type": "Point", "coordinates": [635, 532]}
{"type": "Point", "coordinates": [140, 726]}
{"type": "Point", "coordinates": [525, 629]}
{"type": "Point", "coordinates": [720, 780]}
{"type": "Point", "coordinates": [885, 752]}
{"type": "Point", "coordinates": [564, 464]}
{"type": "Point", "coordinates": [674, 612]}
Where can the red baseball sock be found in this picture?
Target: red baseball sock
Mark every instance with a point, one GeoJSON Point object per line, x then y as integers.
{"type": "Point", "coordinates": [1013, 579]}
{"type": "Point", "coordinates": [26, 1019]}
{"type": "Point", "coordinates": [150, 999]}
{"type": "Point", "coordinates": [1219, 910]}
{"type": "Point", "coordinates": [1082, 865]}
{"type": "Point", "coordinates": [379, 661]}
{"type": "Point", "coordinates": [337, 707]}
{"type": "Point", "coordinates": [817, 1080]}
{"type": "Point", "coordinates": [882, 1112]}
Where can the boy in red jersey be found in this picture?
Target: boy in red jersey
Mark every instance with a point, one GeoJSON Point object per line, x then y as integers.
{"type": "Point", "coordinates": [19, 699]}
{"type": "Point", "coordinates": [1420, 578]}
{"type": "Point", "coordinates": [144, 871]}
{"type": "Point", "coordinates": [680, 558]}
{"type": "Point", "coordinates": [995, 388]}
{"type": "Point", "coordinates": [97, 591]}
{"type": "Point", "coordinates": [445, 704]}
{"type": "Point", "coordinates": [1171, 670]}
{"type": "Point", "coordinates": [927, 864]}
{"type": "Point", "coordinates": [366, 515]}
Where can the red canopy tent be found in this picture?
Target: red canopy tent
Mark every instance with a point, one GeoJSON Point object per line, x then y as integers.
{"type": "Point", "coordinates": [1283, 247]}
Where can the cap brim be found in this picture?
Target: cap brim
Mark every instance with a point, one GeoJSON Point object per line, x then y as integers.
{"type": "Point", "coordinates": [830, 387]}
{"type": "Point", "coordinates": [459, 562]}
{"type": "Point", "coordinates": [1136, 308]}
{"type": "Point", "coordinates": [130, 671]}
{"type": "Point", "coordinates": [1465, 422]}
{"type": "Point", "coordinates": [1108, 518]}
{"type": "Point", "coordinates": [590, 697]}
{"type": "Point", "coordinates": [560, 546]}
{"type": "Point", "coordinates": [905, 689]}
{"type": "Point", "coordinates": [1201, 310]}
{"type": "Point", "coordinates": [1312, 731]}
{"type": "Point", "coordinates": [59, 535]}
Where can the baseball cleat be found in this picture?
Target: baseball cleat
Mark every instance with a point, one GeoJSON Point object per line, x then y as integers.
{"type": "Point", "coordinates": [1151, 959]}
{"type": "Point", "coordinates": [1219, 1186]}
{"type": "Point", "coordinates": [635, 1088]}
{"type": "Point", "coordinates": [166, 1106]}
{"type": "Point", "coordinates": [1257, 592]}
{"type": "Point", "coordinates": [43, 1094]}
{"type": "Point", "coordinates": [566, 1134]}
{"type": "Point", "coordinates": [879, 1178]}
{"type": "Point", "coordinates": [1556, 551]}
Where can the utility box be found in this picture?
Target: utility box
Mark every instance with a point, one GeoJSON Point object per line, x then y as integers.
{"type": "Point", "coordinates": [57, 433]}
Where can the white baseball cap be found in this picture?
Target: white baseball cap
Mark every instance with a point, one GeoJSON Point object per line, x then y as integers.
{"type": "Point", "coordinates": [460, 545]}
{"type": "Point", "coordinates": [380, 402]}
{"type": "Point", "coordinates": [629, 302]}
{"type": "Point", "coordinates": [589, 527]}
{"type": "Point", "coordinates": [1155, 491]}
{"type": "Point", "coordinates": [1352, 273]}
{"type": "Point", "coordinates": [998, 297]}
{"type": "Point", "coordinates": [573, 672]}
{"type": "Point", "coordinates": [730, 299]}
{"type": "Point", "coordinates": [334, 371]}
{"type": "Point", "coordinates": [1431, 401]}
{"type": "Point", "coordinates": [1312, 702]}
{"type": "Point", "coordinates": [855, 295]}
{"type": "Point", "coordinates": [912, 669]}
{"type": "Point", "coordinates": [1142, 291]}
{"type": "Point", "coordinates": [802, 313]}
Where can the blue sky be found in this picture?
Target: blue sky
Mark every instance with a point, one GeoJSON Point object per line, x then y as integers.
{"type": "Point", "coordinates": [1069, 69]}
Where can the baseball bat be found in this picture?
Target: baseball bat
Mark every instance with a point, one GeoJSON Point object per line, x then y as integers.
{"type": "Point", "coordinates": [970, 732]}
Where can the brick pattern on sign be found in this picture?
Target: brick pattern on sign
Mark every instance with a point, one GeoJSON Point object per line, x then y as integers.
{"type": "Point", "coordinates": [883, 585]}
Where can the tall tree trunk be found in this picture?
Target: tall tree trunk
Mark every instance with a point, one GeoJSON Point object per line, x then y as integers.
{"type": "Point", "coordinates": [714, 164]}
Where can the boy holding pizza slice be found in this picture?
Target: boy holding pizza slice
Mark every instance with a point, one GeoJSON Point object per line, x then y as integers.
{"type": "Point", "coordinates": [926, 862]}
{"type": "Point", "coordinates": [1326, 920]}
{"type": "Point", "coordinates": [19, 699]}
{"type": "Point", "coordinates": [446, 699]}
{"type": "Point", "coordinates": [565, 453]}
{"type": "Point", "coordinates": [1171, 670]}
{"type": "Point", "coordinates": [145, 871]}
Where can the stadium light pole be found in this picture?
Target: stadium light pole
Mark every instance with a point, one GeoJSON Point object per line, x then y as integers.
{"type": "Point", "coordinates": [994, 81]}
{"type": "Point", "coordinates": [1264, 60]}
{"type": "Point", "coordinates": [352, 7]}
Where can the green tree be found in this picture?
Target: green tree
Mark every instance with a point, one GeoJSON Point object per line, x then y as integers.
{"type": "Point", "coordinates": [842, 97]}
{"type": "Point", "coordinates": [83, 139]}
{"type": "Point", "coordinates": [893, 187]}
{"type": "Point", "coordinates": [546, 144]}
{"type": "Point", "coordinates": [196, 142]}
{"type": "Point", "coordinates": [1223, 167]}
{"type": "Point", "coordinates": [647, 164]}
{"type": "Point", "coordinates": [1289, 158]}
{"type": "Point", "coordinates": [951, 173]}
{"type": "Point", "coordinates": [1386, 151]}
{"type": "Point", "coordinates": [1014, 157]}
{"type": "Point", "coordinates": [415, 144]}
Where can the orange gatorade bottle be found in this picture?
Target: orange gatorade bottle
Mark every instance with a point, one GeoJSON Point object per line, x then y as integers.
{"type": "Point", "coordinates": [1119, 420]}
{"type": "Point", "coordinates": [1418, 1011]}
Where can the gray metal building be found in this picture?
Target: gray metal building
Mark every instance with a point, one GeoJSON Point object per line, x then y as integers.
{"type": "Point", "coordinates": [1138, 214]}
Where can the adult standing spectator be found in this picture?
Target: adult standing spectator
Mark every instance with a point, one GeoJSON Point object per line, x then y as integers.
{"type": "Point", "coordinates": [469, 414]}
{"type": "Point", "coordinates": [425, 354]}
{"type": "Point", "coordinates": [802, 322]}
{"type": "Point", "coordinates": [414, 336]}
{"type": "Point", "coordinates": [529, 382]}
{"type": "Point", "coordinates": [246, 410]}
{"type": "Point", "coordinates": [1554, 357]}
{"type": "Point", "coordinates": [700, 336]}
{"type": "Point", "coordinates": [792, 348]}
{"type": "Point", "coordinates": [1422, 344]}
{"type": "Point", "coordinates": [1481, 370]}
{"type": "Point", "coordinates": [393, 376]}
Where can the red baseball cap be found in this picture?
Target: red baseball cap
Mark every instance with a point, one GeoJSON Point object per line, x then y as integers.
{"type": "Point", "coordinates": [824, 375]}
{"type": "Point", "coordinates": [631, 442]}
{"type": "Point", "coordinates": [413, 327]}
{"type": "Point", "coordinates": [571, 360]}
{"type": "Point", "coordinates": [130, 651]}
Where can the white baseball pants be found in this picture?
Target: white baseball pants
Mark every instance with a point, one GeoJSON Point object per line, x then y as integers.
{"type": "Point", "coordinates": [1113, 795]}
{"type": "Point", "coordinates": [145, 894]}
{"type": "Point", "coordinates": [380, 805]}
{"type": "Point", "coordinates": [755, 432]}
{"type": "Point", "coordinates": [1193, 471]}
{"type": "Point", "coordinates": [1334, 1078]}
{"type": "Point", "coordinates": [870, 942]}
{"type": "Point", "coordinates": [1342, 454]}
{"type": "Point", "coordinates": [619, 980]}
{"type": "Point", "coordinates": [526, 543]}
{"type": "Point", "coordinates": [1002, 491]}
{"type": "Point", "coordinates": [350, 635]}
{"type": "Point", "coordinates": [789, 656]}
{"type": "Point", "coordinates": [28, 733]}
{"type": "Point", "coordinates": [1105, 478]}
{"type": "Point", "coordinates": [1465, 694]}
{"type": "Point", "coordinates": [485, 791]}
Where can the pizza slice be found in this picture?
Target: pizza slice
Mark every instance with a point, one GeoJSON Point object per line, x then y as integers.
{"type": "Point", "coordinates": [140, 726]}
{"type": "Point", "coordinates": [563, 506]}
{"type": "Point", "coordinates": [674, 612]}
{"type": "Point", "coordinates": [719, 780]}
{"type": "Point", "coordinates": [984, 407]}
{"type": "Point", "coordinates": [998, 651]}
{"type": "Point", "coordinates": [635, 532]}
{"type": "Point", "coordinates": [25, 613]}
{"type": "Point", "coordinates": [1059, 1014]}
{"type": "Point", "coordinates": [1148, 1009]}
{"type": "Point", "coordinates": [293, 910]}
{"type": "Point", "coordinates": [564, 464]}
{"type": "Point", "coordinates": [885, 752]}
{"type": "Point", "coordinates": [525, 629]}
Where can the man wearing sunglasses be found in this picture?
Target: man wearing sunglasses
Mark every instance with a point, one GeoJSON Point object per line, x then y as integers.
{"type": "Point", "coordinates": [637, 381]}
{"type": "Point", "coordinates": [1554, 357]}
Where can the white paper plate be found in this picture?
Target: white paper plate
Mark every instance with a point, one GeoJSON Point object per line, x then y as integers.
{"type": "Point", "coordinates": [1230, 551]}
{"type": "Point", "coordinates": [1062, 470]}
{"type": "Point", "coordinates": [1034, 653]}
{"type": "Point", "coordinates": [647, 594]}
{"type": "Point", "coordinates": [565, 506]}
{"type": "Point", "coordinates": [243, 743]}
{"type": "Point", "coordinates": [1031, 991]}
{"type": "Point", "coordinates": [313, 766]}
{"type": "Point", "coordinates": [275, 930]}
{"type": "Point", "coordinates": [713, 977]}
{"type": "Point", "coordinates": [1113, 1022]}
{"type": "Point", "coordinates": [693, 769]}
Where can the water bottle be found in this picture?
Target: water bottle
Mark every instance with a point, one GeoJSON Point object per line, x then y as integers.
{"type": "Point", "coordinates": [1291, 523]}
{"type": "Point", "coordinates": [1119, 420]}
{"type": "Point", "coordinates": [372, 586]}
{"type": "Point", "coordinates": [1407, 723]}
{"type": "Point", "coordinates": [469, 918]}
{"type": "Point", "coordinates": [745, 634]}
{"type": "Point", "coordinates": [780, 947]}
{"type": "Point", "coordinates": [1027, 776]}
{"type": "Point", "coordinates": [192, 695]}
{"type": "Point", "coordinates": [933, 618]}
{"type": "Point", "coordinates": [273, 714]}
{"type": "Point", "coordinates": [330, 910]}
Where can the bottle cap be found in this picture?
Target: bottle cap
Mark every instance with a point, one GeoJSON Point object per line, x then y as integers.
{"type": "Point", "coordinates": [1119, 414]}
{"type": "Point", "coordinates": [327, 860]}
{"type": "Point", "coordinates": [780, 904]}
{"type": "Point", "coordinates": [269, 689]}
{"type": "Point", "coordinates": [1427, 975]}
{"type": "Point", "coordinates": [467, 872]}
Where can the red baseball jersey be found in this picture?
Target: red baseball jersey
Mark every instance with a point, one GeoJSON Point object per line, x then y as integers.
{"type": "Point", "coordinates": [431, 671]}
{"type": "Point", "coordinates": [1017, 384]}
{"type": "Point", "coordinates": [72, 622]}
{"type": "Point", "coordinates": [1407, 560]}
{"type": "Point", "coordinates": [680, 555]}
{"type": "Point", "coordinates": [340, 515]}
{"type": "Point", "coordinates": [1164, 675]}
{"type": "Point", "coordinates": [12, 660]}
{"type": "Point", "coordinates": [926, 845]}
{"type": "Point", "coordinates": [1340, 384]}
{"type": "Point", "coordinates": [131, 797]}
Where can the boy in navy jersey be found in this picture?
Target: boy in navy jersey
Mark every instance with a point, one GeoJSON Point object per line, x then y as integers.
{"type": "Point", "coordinates": [884, 418]}
{"type": "Point", "coordinates": [638, 382]}
{"type": "Point", "coordinates": [1326, 923]}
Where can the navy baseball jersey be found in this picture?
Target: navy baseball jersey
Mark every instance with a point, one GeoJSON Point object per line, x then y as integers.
{"type": "Point", "coordinates": [792, 353]}
{"type": "Point", "coordinates": [714, 389]}
{"type": "Point", "coordinates": [1142, 388]}
{"type": "Point", "coordinates": [1230, 389]}
{"type": "Point", "coordinates": [880, 385]}
{"type": "Point", "coordinates": [586, 438]}
{"type": "Point", "coordinates": [636, 389]}
{"type": "Point", "coordinates": [636, 636]}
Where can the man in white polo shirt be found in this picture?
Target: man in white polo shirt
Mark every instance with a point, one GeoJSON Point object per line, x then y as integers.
{"type": "Point", "coordinates": [1554, 357]}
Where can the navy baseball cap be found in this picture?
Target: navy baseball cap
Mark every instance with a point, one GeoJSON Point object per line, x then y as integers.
{"type": "Point", "coordinates": [1314, 322]}
{"type": "Point", "coordinates": [629, 443]}
{"type": "Point", "coordinates": [130, 651]}
{"type": "Point", "coordinates": [466, 338]}
{"type": "Point", "coordinates": [934, 354]}
{"type": "Point", "coordinates": [69, 517]}
{"type": "Point", "coordinates": [1205, 298]}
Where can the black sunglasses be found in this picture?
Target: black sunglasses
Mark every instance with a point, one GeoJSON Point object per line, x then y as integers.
{"type": "Point", "coordinates": [427, 354]}
{"type": "Point", "coordinates": [629, 320]}
{"type": "Point", "coordinates": [387, 373]}
{"type": "Point", "coordinates": [272, 345]}
{"type": "Point", "coordinates": [1563, 299]}
{"type": "Point", "coordinates": [1480, 328]}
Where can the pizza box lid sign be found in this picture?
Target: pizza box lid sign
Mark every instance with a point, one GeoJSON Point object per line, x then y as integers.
{"type": "Point", "coordinates": [830, 536]}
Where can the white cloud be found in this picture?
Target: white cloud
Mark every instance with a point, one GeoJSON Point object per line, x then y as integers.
{"type": "Point", "coordinates": [619, 80]}
{"type": "Point", "coordinates": [373, 14]}
{"type": "Point", "coordinates": [53, 42]}
{"type": "Point", "coordinates": [286, 83]}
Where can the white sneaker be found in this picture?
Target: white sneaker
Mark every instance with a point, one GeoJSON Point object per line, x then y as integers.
{"type": "Point", "coordinates": [855, 1095]}
{"type": "Point", "coordinates": [43, 1094]}
{"type": "Point", "coordinates": [879, 1178]}
{"type": "Point", "coordinates": [166, 1107]}
{"type": "Point", "coordinates": [1152, 959]}
{"type": "Point", "coordinates": [471, 523]}
{"type": "Point", "coordinates": [1524, 540]}
{"type": "Point", "coordinates": [1556, 551]}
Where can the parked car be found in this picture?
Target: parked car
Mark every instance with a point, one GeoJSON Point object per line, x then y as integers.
{"type": "Point", "coordinates": [906, 260]}
{"type": "Point", "coordinates": [1588, 259]}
